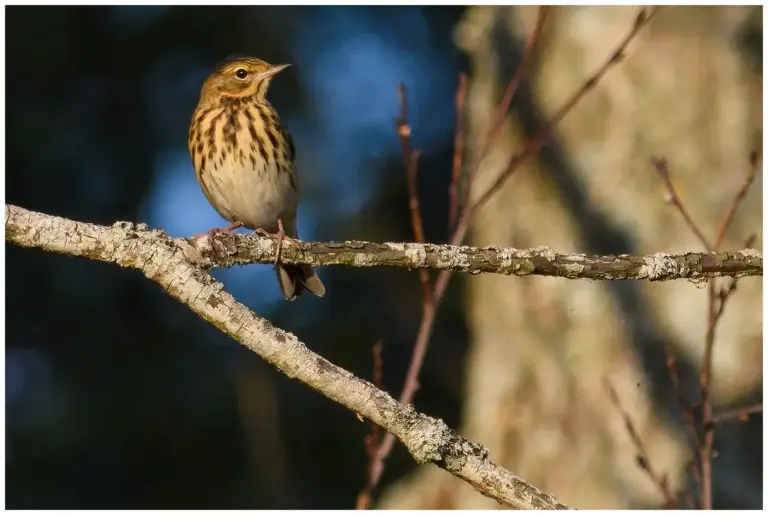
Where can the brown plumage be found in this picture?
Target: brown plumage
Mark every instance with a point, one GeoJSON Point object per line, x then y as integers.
{"type": "Point", "coordinates": [244, 161]}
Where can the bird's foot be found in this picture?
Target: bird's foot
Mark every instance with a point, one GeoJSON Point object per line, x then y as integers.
{"type": "Point", "coordinates": [280, 236]}
{"type": "Point", "coordinates": [218, 231]}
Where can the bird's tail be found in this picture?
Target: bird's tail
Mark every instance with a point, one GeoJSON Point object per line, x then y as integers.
{"type": "Point", "coordinates": [294, 279]}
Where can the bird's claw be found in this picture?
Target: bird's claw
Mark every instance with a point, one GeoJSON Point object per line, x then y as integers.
{"type": "Point", "coordinates": [280, 236]}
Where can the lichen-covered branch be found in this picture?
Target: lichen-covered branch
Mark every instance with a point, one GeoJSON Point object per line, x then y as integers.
{"type": "Point", "coordinates": [240, 249]}
{"type": "Point", "coordinates": [166, 261]}
{"type": "Point", "coordinates": [226, 251]}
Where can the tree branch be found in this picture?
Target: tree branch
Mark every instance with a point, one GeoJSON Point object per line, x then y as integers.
{"type": "Point", "coordinates": [242, 249]}
{"type": "Point", "coordinates": [165, 261]}
{"type": "Point", "coordinates": [239, 249]}
{"type": "Point", "coordinates": [246, 249]}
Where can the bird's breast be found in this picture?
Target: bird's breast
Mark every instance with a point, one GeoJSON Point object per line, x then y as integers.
{"type": "Point", "coordinates": [242, 162]}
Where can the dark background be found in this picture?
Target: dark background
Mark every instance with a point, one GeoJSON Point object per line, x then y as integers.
{"type": "Point", "coordinates": [117, 396]}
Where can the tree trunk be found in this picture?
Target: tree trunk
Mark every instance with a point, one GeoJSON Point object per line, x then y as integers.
{"type": "Point", "coordinates": [542, 348]}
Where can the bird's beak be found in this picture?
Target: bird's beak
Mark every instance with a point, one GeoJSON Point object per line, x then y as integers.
{"type": "Point", "coordinates": [274, 70]}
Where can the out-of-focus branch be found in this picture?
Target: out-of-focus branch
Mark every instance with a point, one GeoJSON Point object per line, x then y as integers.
{"type": "Point", "coordinates": [411, 383]}
{"type": "Point", "coordinates": [703, 471]}
{"type": "Point", "coordinates": [643, 461]}
{"type": "Point", "coordinates": [458, 154]}
{"type": "Point", "coordinates": [662, 168]}
{"type": "Point", "coordinates": [754, 162]}
{"type": "Point", "coordinates": [373, 439]}
{"type": "Point", "coordinates": [163, 261]}
{"type": "Point", "coordinates": [411, 158]}
{"type": "Point", "coordinates": [688, 419]}
{"type": "Point", "coordinates": [741, 414]}
{"type": "Point", "coordinates": [468, 209]}
{"type": "Point", "coordinates": [644, 16]}
{"type": "Point", "coordinates": [501, 112]}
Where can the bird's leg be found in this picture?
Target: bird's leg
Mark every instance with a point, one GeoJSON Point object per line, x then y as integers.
{"type": "Point", "coordinates": [279, 236]}
{"type": "Point", "coordinates": [226, 230]}
{"type": "Point", "coordinates": [220, 230]}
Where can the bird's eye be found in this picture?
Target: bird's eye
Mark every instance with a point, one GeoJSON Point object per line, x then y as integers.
{"type": "Point", "coordinates": [241, 73]}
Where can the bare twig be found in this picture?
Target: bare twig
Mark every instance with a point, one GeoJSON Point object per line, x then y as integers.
{"type": "Point", "coordinates": [432, 300]}
{"type": "Point", "coordinates": [643, 461]}
{"type": "Point", "coordinates": [514, 83]}
{"type": "Point", "coordinates": [706, 403]}
{"type": "Point", "coordinates": [714, 313]}
{"type": "Point", "coordinates": [693, 466]}
{"type": "Point", "coordinates": [428, 315]}
{"type": "Point", "coordinates": [531, 146]}
{"type": "Point", "coordinates": [162, 260]}
{"type": "Point", "coordinates": [458, 153]}
{"type": "Point", "coordinates": [662, 167]}
{"type": "Point", "coordinates": [688, 420]}
{"type": "Point", "coordinates": [414, 205]}
{"type": "Point", "coordinates": [410, 385]}
{"type": "Point", "coordinates": [754, 162]}
{"type": "Point", "coordinates": [506, 101]}
{"type": "Point", "coordinates": [644, 16]}
{"type": "Point", "coordinates": [702, 466]}
{"type": "Point", "coordinates": [373, 439]}
{"type": "Point", "coordinates": [727, 292]}
{"type": "Point", "coordinates": [705, 446]}
{"type": "Point", "coordinates": [741, 414]}
{"type": "Point", "coordinates": [411, 158]}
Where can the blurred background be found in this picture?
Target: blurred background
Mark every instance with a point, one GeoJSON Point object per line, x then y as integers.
{"type": "Point", "coordinates": [118, 397]}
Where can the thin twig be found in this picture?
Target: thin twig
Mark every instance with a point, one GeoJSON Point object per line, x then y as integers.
{"type": "Point", "coordinates": [754, 162]}
{"type": "Point", "coordinates": [531, 146]}
{"type": "Point", "coordinates": [458, 153]}
{"type": "Point", "coordinates": [662, 167]}
{"type": "Point", "coordinates": [417, 360]}
{"type": "Point", "coordinates": [506, 101]}
{"type": "Point", "coordinates": [727, 292]}
{"type": "Point", "coordinates": [428, 314]}
{"type": "Point", "coordinates": [411, 159]}
{"type": "Point", "coordinates": [429, 308]}
{"type": "Point", "coordinates": [414, 204]}
{"type": "Point", "coordinates": [741, 414]}
{"type": "Point", "coordinates": [410, 385]}
{"type": "Point", "coordinates": [704, 463]}
{"type": "Point", "coordinates": [404, 132]}
{"type": "Point", "coordinates": [706, 403]}
{"type": "Point", "coordinates": [373, 439]}
{"type": "Point", "coordinates": [722, 296]}
{"type": "Point", "coordinates": [714, 313]}
{"type": "Point", "coordinates": [693, 466]}
{"type": "Point", "coordinates": [688, 420]}
{"type": "Point", "coordinates": [643, 461]}
{"type": "Point", "coordinates": [514, 83]}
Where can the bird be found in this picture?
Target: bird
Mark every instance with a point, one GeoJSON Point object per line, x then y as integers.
{"type": "Point", "coordinates": [244, 158]}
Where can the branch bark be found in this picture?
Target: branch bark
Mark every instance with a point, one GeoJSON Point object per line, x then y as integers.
{"type": "Point", "coordinates": [167, 262]}
{"type": "Point", "coordinates": [239, 249]}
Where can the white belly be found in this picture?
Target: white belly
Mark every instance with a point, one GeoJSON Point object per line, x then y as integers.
{"type": "Point", "coordinates": [255, 196]}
